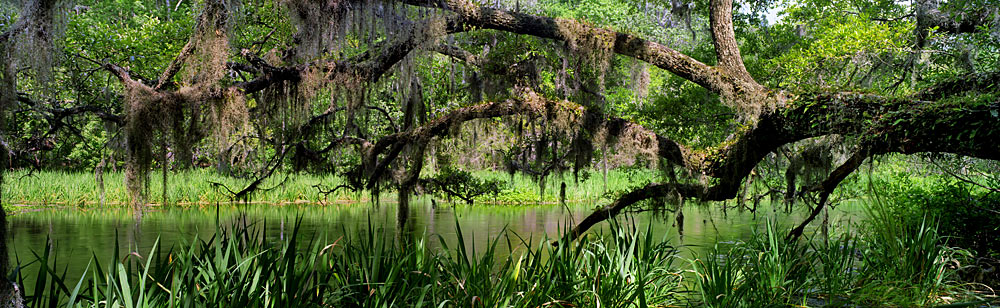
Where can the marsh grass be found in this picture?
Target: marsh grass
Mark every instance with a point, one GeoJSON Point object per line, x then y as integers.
{"type": "Point", "coordinates": [189, 187]}
{"type": "Point", "coordinates": [764, 269]}
{"type": "Point", "coordinates": [239, 267]}
{"type": "Point", "coordinates": [888, 264]}
{"type": "Point", "coordinates": [624, 266]}
{"type": "Point", "coordinates": [195, 187]}
{"type": "Point", "coordinates": [905, 263]}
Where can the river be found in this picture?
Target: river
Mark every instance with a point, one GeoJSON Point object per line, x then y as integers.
{"type": "Point", "coordinates": [76, 236]}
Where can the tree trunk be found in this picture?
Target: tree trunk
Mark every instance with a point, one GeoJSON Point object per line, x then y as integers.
{"type": "Point", "coordinates": [10, 294]}
{"type": "Point", "coordinates": [724, 38]}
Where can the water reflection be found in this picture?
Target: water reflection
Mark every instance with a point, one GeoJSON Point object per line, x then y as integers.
{"type": "Point", "coordinates": [76, 236]}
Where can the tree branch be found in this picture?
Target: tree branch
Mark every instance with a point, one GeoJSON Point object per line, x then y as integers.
{"type": "Point", "coordinates": [724, 39]}
{"type": "Point", "coordinates": [828, 185]}
{"type": "Point", "coordinates": [458, 54]}
{"type": "Point", "coordinates": [885, 125]}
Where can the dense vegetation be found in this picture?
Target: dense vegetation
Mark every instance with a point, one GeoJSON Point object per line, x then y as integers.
{"type": "Point", "coordinates": [660, 103]}
{"type": "Point", "coordinates": [622, 268]}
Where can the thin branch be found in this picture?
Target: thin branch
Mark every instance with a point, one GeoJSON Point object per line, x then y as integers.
{"type": "Point", "coordinates": [175, 64]}
{"type": "Point", "coordinates": [966, 180]}
{"type": "Point", "coordinates": [255, 185]}
{"type": "Point", "coordinates": [458, 53]}
{"type": "Point", "coordinates": [612, 210]}
{"type": "Point", "coordinates": [829, 185]}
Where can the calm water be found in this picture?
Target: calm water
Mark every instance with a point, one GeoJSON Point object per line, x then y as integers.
{"type": "Point", "coordinates": [77, 236]}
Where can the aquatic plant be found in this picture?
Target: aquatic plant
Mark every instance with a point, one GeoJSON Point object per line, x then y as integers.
{"type": "Point", "coordinates": [241, 267]}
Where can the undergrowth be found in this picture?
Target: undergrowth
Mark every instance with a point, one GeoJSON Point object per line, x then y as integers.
{"type": "Point", "coordinates": [197, 187]}
{"type": "Point", "coordinates": [241, 268]}
{"type": "Point", "coordinates": [884, 265]}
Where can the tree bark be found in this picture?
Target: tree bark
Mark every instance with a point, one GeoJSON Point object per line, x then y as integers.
{"type": "Point", "coordinates": [34, 10]}
{"type": "Point", "coordinates": [724, 39]}
{"type": "Point", "coordinates": [10, 294]}
{"type": "Point", "coordinates": [958, 20]}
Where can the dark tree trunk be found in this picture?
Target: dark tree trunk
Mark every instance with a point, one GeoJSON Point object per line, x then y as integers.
{"type": "Point", "coordinates": [10, 294]}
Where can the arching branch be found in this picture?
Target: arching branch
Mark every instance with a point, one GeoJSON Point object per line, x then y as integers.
{"type": "Point", "coordinates": [458, 53]}
{"type": "Point", "coordinates": [469, 16]}
{"type": "Point", "coordinates": [212, 19]}
{"type": "Point", "coordinates": [527, 102]}
{"type": "Point", "coordinates": [885, 125]}
{"type": "Point", "coordinates": [612, 210]}
{"type": "Point", "coordinates": [838, 175]}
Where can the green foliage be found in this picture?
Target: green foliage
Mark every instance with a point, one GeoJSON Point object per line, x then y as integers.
{"type": "Point", "coordinates": [142, 35]}
{"type": "Point", "coordinates": [240, 268]}
{"type": "Point", "coordinates": [892, 264]}
{"type": "Point", "coordinates": [625, 16]}
{"type": "Point", "coordinates": [195, 188]}
{"type": "Point", "coordinates": [956, 205]}
{"type": "Point", "coordinates": [262, 25]}
{"type": "Point", "coordinates": [456, 183]}
{"type": "Point", "coordinates": [8, 15]}
{"type": "Point", "coordinates": [841, 52]}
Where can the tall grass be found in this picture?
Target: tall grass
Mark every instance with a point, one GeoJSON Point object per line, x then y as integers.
{"type": "Point", "coordinates": [908, 266]}
{"type": "Point", "coordinates": [889, 264]}
{"type": "Point", "coordinates": [196, 187]}
{"type": "Point", "coordinates": [522, 188]}
{"type": "Point", "coordinates": [625, 267]}
{"type": "Point", "coordinates": [766, 270]}
{"type": "Point", "coordinates": [240, 268]}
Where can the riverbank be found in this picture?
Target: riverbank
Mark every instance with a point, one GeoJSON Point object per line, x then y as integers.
{"type": "Point", "coordinates": [905, 257]}
{"type": "Point", "coordinates": [24, 189]}
{"type": "Point", "coordinates": [463, 261]}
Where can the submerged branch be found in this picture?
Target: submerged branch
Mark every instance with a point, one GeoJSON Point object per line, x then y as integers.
{"type": "Point", "coordinates": [612, 210]}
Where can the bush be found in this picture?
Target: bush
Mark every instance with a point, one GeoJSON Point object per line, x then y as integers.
{"type": "Point", "coordinates": [969, 217]}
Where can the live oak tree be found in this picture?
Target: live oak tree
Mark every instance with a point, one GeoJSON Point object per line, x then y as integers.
{"type": "Point", "coordinates": [356, 86]}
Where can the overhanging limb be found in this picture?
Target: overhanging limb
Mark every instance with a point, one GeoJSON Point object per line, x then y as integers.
{"type": "Point", "coordinates": [828, 186]}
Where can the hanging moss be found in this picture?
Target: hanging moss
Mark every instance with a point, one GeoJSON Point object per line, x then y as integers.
{"type": "Point", "coordinates": [639, 81]}
{"type": "Point", "coordinates": [140, 115]}
{"type": "Point", "coordinates": [8, 83]}
{"type": "Point", "coordinates": [593, 49]}
{"type": "Point", "coordinates": [227, 115]}
{"type": "Point", "coordinates": [320, 24]}
{"type": "Point", "coordinates": [206, 65]}
{"type": "Point", "coordinates": [34, 45]}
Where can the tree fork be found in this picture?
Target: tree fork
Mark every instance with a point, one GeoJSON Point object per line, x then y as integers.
{"type": "Point", "coordinates": [724, 39]}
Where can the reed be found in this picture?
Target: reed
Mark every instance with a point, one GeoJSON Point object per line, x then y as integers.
{"type": "Point", "coordinates": [197, 187]}
{"type": "Point", "coordinates": [239, 267]}
{"type": "Point", "coordinates": [889, 264]}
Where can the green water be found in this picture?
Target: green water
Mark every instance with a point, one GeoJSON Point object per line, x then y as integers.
{"type": "Point", "coordinates": [76, 236]}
